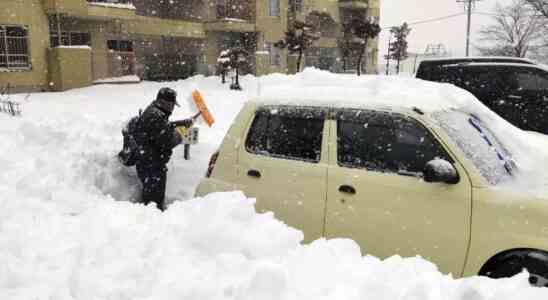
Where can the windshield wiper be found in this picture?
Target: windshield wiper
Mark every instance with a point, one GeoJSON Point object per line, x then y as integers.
{"type": "Point", "coordinates": [507, 164]}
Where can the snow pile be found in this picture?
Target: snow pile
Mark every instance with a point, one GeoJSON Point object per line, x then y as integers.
{"type": "Point", "coordinates": [68, 229]}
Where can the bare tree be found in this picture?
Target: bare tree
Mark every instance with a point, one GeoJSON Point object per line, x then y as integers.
{"type": "Point", "coordinates": [541, 6]}
{"type": "Point", "coordinates": [516, 31]}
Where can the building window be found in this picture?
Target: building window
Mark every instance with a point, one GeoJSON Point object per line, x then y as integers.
{"type": "Point", "coordinates": [296, 5]}
{"type": "Point", "coordinates": [274, 8]}
{"type": "Point", "coordinates": [274, 54]}
{"type": "Point", "coordinates": [70, 39]}
{"type": "Point", "coordinates": [14, 50]}
{"type": "Point", "coordinates": [120, 45]}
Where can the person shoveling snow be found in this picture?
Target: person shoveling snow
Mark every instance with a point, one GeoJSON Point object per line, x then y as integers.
{"type": "Point", "coordinates": [149, 140]}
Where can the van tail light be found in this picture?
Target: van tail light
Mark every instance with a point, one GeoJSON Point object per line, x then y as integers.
{"type": "Point", "coordinates": [211, 165]}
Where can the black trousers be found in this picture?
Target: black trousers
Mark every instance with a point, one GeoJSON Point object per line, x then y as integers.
{"type": "Point", "coordinates": [153, 178]}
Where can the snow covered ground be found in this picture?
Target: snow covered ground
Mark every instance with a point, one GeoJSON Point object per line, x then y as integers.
{"type": "Point", "coordinates": [69, 229]}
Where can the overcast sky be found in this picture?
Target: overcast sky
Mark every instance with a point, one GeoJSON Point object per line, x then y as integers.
{"type": "Point", "coordinates": [450, 32]}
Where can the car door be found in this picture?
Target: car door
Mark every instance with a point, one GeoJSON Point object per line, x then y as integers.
{"type": "Point", "coordinates": [376, 195]}
{"type": "Point", "coordinates": [283, 164]}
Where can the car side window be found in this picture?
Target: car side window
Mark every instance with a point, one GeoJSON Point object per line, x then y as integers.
{"type": "Point", "coordinates": [543, 81]}
{"type": "Point", "coordinates": [385, 142]}
{"type": "Point", "coordinates": [518, 80]}
{"type": "Point", "coordinates": [287, 133]}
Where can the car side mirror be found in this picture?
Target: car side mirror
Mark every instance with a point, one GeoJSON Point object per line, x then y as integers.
{"type": "Point", "coordinates": [440, 170]}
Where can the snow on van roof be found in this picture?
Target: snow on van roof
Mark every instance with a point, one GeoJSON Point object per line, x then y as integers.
{"type": "Point", "coordinates": [313, 87]}
{"type": "Point", "coordinates": [493, 58]}
{"type": "Point", "coordinates": [501, 64]}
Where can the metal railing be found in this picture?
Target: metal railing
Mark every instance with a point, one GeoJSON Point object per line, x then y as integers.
{"type": "Point", "coordinates": [7, 106]}
{"type": "Point", "coordinates": [112, 1]}
{"type": "Point", "coordinates": [233, 9]}
{"type": "Point", "coordinates": [14, 51]}
{"type": "Point", "coordinates": [121, 63]}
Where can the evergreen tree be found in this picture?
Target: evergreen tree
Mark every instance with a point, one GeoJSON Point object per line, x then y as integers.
{"type": "Point", "coordinates": [237, 59]}
{"type": "Point", "coordinates": [297, 39]}
{"type": "Point", "coordinates": [398, 48]}
{"type": "Point", "coordinates": [223, 64]}
{"type": "Point", "coordinates": [363, 30]}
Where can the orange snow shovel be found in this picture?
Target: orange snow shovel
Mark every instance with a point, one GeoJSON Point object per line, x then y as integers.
{"type": "Point", "coordinates": [200, 104]}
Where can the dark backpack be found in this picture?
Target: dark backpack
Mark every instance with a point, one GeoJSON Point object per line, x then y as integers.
{"type": "Point", "coordinates": [130, 149]}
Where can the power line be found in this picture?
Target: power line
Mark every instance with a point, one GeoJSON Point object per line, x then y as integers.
{"type": "Point", "coordinates": [430, 20]}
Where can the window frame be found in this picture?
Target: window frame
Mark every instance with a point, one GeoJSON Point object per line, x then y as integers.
{"type": "Point", "coordinates": [385, 114]}
{"type": "Point", "coordinates": [6, 53]}
{"type": "Point", "coordinates": [68, 34]}
{"type": "Point", "coordinates": [274, 8]}
{"type": "Point", "coordinates": [118, 44]}
{"type": "Point", "coordinates": [296, 6]}
{"type": "Point", "coordinates": [318, 112]}
{"type": "Point", "coordinates": [274, 55]}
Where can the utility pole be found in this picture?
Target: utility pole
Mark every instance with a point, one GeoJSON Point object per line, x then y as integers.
{"type": "Point", "coordinates": [388, 54]}
{"type": "Point", "coordinates": [468, 6]}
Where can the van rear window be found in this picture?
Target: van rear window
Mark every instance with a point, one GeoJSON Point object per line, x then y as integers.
{"type": "Point", "coordinates": [287, 133]}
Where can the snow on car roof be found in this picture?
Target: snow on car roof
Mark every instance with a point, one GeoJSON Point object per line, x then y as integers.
{"type": "Point", "coordinates": [317, 88]}
{"type": "Point", "coordinates": [313, 87]}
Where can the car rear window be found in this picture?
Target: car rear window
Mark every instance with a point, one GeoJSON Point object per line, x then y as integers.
{"type": "Point", "coordinates": [287, 133]}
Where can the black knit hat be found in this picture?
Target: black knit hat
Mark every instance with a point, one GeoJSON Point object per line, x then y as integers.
{"type": "Point", "coordinates": [168, 95]}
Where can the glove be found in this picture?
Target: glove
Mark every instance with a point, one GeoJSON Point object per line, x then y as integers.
{"type": "Point", "coordinates": [184, 123]}
{"type": "Point", "coordinates": [182, 131]}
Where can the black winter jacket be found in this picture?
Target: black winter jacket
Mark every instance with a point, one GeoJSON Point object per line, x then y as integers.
{"type": "Point", "coordinates": [156, 137]}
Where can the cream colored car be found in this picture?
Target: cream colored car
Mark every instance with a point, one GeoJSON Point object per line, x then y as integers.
{"type": "Point", "coordinates": [395, 180]}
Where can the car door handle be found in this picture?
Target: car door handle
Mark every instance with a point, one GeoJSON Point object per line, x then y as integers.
{"type": "Point", "coordinates": [347, 189]}
{"type": "Point", "coordinates": [254, 173]}
{"type": "Point", "coordinates": [514, 97]}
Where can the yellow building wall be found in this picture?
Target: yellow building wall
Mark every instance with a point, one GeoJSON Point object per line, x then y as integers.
{"type": "Point", "coordinates": [66, 7]}
{"type": "Point", "coordinates": [70, 68]}
{"type": "Point", "coordinates": [270, 30]}
{"type": "Point", "coordinates": [29, 13]}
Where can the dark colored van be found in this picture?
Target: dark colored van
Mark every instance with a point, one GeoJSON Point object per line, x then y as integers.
{"type": "Point", "coordinates": [516, 89]}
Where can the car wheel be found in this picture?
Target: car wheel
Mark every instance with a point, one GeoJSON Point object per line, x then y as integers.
{"type": "Point", "coordinates": [538, 270]}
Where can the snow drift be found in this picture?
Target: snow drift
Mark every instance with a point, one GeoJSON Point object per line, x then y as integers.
{"type": "Point", "coordinates": [69, 229]}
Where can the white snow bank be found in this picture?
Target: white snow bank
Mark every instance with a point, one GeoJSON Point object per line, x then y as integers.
{"type": "Point", "coordinates": [69, 231]}
{"type": "Point", "coordinates": [211, 248]}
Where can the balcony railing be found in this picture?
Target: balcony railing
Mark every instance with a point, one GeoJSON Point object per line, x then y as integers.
{"type": "Point", "coordinates": [112, 1]}
{"type": "Point", "coordinates": [361, 4]}
{"type": "Point", "coordinates": [233, 9]}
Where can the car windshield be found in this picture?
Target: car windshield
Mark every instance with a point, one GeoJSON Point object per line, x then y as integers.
{"type": "Point", "coordinates": [479, 144]}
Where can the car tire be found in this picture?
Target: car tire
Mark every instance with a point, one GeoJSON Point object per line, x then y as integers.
{"type": "Point", "coordinates": [537, 268]}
